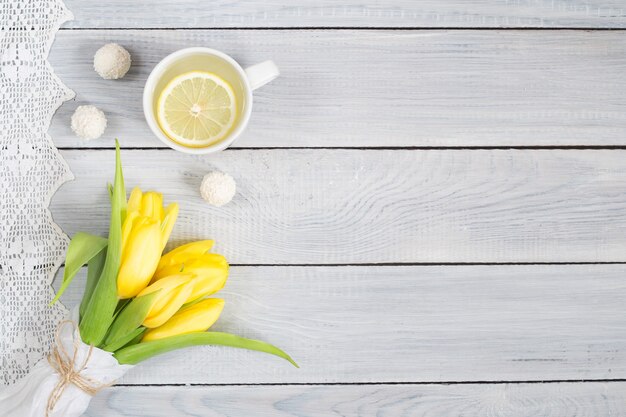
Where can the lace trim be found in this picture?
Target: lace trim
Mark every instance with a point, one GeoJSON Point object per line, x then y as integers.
{"type": "Point", "coordinates": [32, 246]}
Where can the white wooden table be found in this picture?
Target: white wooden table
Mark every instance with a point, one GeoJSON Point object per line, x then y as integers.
{"type": "Point", "coordinates": [431, 214]}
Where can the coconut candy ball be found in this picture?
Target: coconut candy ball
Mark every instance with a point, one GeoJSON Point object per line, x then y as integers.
{"type": "Point", "coordinates": [111, 61]}
{"type": "Point", "coordinates": [218, 188]}
{"type": "Point", "coordinates": [88, 122]}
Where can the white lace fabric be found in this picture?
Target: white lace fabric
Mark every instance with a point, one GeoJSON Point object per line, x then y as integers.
{"type": "Point", "coordinates": [31, 169]}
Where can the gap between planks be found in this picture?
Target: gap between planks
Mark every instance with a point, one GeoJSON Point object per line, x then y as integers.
{"type": "Point", "coordinates": [261, 28]}
{"type": "Point", "coordinates": [374, 148]}
{"type": "Point", "coordinates": [342, 384]}
{"type": "Point", "coordinates": [394, 264]}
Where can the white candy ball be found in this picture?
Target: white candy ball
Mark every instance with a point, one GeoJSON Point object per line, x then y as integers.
{"type": "Point", "coordinates": [88, 122]}
{"type": "Point", "coordinates": [218, 188]}
{"type": "Point", "coordinates": [111, 61]}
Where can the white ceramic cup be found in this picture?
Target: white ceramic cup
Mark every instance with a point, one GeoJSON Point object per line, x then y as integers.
{"type": "Point", "coordinates": [244, 81]}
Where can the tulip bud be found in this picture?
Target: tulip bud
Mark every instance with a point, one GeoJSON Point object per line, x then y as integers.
{"type": "Point", "coordinates": [173, 292]}
{"type": "Point", "coordinates": [140, 255]}
{"type": "Point", "coordinates": [144, 235]}
{"type": "Point", "coordinates": [195, 318]}
{"type": "Point", "coordinates": [211, 271]}
{"type": "Point", "coordinates": [184, 253]}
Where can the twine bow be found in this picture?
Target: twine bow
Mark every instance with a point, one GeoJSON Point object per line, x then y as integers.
{"type": "Point", "coordinates": [65, 366]}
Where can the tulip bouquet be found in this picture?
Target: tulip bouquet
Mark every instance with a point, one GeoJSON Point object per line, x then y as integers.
{"type": "Point", "coordinates": [137, 303]}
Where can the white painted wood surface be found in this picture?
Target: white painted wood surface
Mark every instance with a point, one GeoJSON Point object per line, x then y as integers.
{"type": "Point", "coordinates": [334, 13]}
{"type": "Point", "coordinates": [380, 88]}
{"type": "Point", "coordinates": [325, 206]}
{"type": "Point", "coordinates": [411, 324]}
{"type": "Point", "coordinates": [519, 400]}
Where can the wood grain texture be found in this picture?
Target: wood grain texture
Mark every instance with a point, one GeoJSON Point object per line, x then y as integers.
{"type": "Point", "coordinates": [489, 400]}
{"type": "Point", "coordinates": [372, 206]}
{"type": "Point", "coordinates": [411, 324]}
{"type": "Point", "coordinates": [333, 13]}
{"type": "Point", "coordinates": [379, 88]}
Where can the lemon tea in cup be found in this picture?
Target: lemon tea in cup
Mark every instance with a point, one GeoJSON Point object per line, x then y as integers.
{"type": "Point", "coordinates": [199, 100]}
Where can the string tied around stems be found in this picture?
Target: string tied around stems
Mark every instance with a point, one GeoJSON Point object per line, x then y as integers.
{"type": "Point", "coordinates": [66, 366]}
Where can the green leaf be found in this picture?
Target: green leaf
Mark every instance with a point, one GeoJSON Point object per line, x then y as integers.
{"type": "Point", "coordinates": [129, 319]}
{"type": "Point", "coordinates": [115, 345]}
{"type": "Point", "coordinates": [142, 351]}
{"type": "Point", "coordinates": [81, 249]}
{"type": "Point", "coordinates": [94, 270]}
{"type": "Point", "coordinates": [137, 339]}
{"type": "Point", "coordinates": [98, 316]}
{"type": "Point", "coordinates": [120, 306]}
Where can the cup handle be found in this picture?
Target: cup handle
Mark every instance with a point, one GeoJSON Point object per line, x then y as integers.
{"type": "Point", "coordinates": [261, 74]}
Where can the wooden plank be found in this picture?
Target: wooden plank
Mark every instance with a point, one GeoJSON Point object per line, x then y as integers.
{"type": "Point", "coordinates": [371, 206]}
{"type": "Point", "coordinates": [411, 324]}
{"type": "Point", "coordinates": [333, 13]}
{"type": "Point", "coordinates": [519, 400]}
{"type": "Point", "coordinates": [380, 88]}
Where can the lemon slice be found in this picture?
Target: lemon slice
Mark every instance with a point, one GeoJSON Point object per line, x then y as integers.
{"type": "Point", "coordinates": [197, 109]}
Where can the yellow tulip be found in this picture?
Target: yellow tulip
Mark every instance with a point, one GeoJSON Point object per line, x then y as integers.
{"type": "Point", "coordinates": [144, 235]}
{"type": "Point", "coordinates": [210, 269]}
{"type": "Point", "coordinates": [173, 292]}
{"type": "Point", "coordinates": [184, 253]}
{"type": "Point", "coordinates": [211, 272]}
{"type": "Point", "coordinates": [195, 318]}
